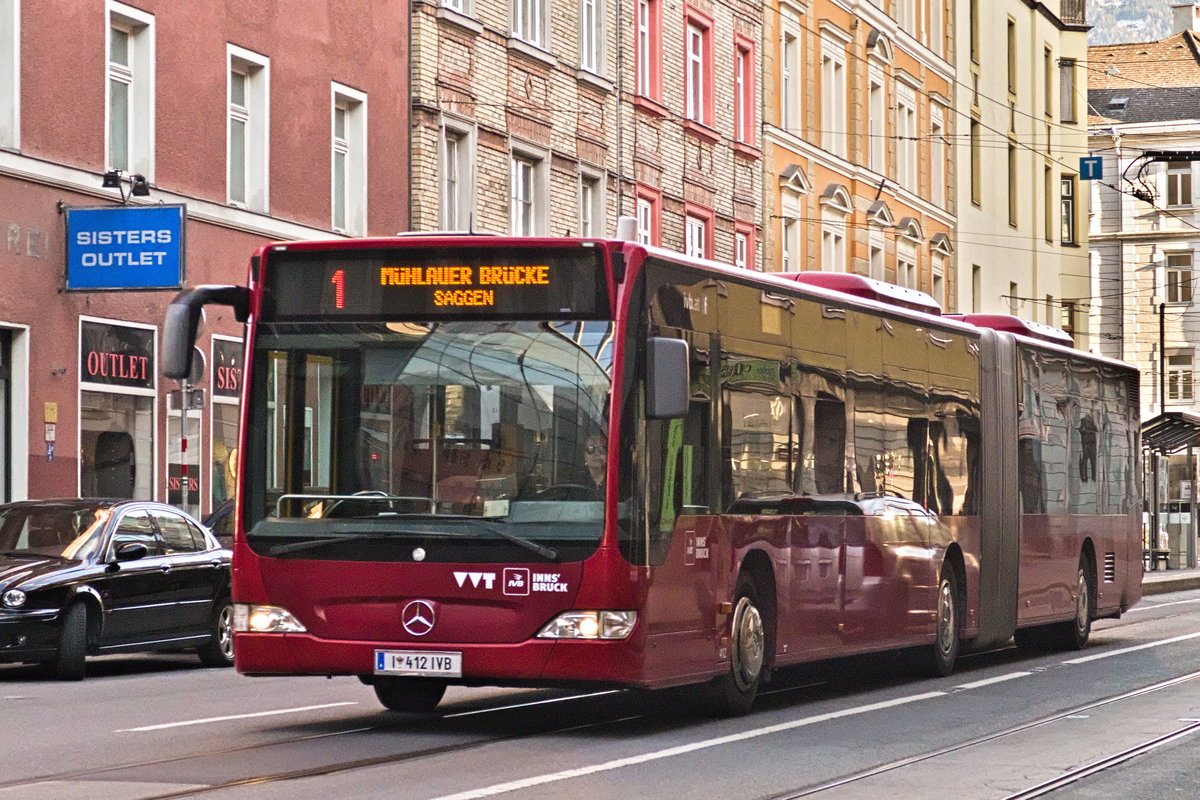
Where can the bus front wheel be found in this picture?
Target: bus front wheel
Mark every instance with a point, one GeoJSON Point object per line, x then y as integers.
{"type": "Point", "coordinates": [409, 695]}
{"type": "Point", "coordinates": [732, 694]}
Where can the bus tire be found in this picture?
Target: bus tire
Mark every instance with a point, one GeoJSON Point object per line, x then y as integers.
{"type": "Point", "coordinates": [70, 661]}
{"type": "Point", "coordinates": [1072, 634]}
{"type": "Point", "coordinates": [409, 695]}
{"type": "Point", "coordinates": [937, 660]}
{"type": "Point", "coordinates": [732, 694]}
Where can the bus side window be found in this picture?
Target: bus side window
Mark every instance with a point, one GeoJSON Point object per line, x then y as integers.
{"type": "Point", "coordinates": [678, 473]}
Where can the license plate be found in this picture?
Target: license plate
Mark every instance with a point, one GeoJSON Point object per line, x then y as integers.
{"type": "Point", "coordinates": [425, 663]}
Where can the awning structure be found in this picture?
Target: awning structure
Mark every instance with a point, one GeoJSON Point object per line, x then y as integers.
{"type": "Point", "coordinates": [1171, 432]}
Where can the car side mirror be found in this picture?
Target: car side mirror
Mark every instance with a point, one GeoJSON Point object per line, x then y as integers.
{"type": "Point", "coordinates": [131, 551]}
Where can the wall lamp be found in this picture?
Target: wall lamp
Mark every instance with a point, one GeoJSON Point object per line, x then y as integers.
{"type": "Point", "coordinates": [138, 185]}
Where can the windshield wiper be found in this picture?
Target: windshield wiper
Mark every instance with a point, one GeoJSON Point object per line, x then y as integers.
{"type": "Point", "coordinates": [311, 544]}
{"type": "Point", "coordinates": [548, 553]}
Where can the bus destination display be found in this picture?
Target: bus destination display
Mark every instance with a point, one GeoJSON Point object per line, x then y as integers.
{"type": "Point", "coordinates": [431, 284]}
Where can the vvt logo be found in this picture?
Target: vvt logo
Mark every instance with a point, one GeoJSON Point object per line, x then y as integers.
{"type": "Point", "coordinates": [487, 579]}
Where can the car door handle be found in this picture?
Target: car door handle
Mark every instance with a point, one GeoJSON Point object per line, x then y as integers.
{"type": "Point", "coordinates": [165, 568]}
{"type": "Point", "coordinates": [215, 564]}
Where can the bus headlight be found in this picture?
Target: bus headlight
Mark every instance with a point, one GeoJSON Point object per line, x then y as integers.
{"type": "Point", "coordinates": [590, 625]}
{"type": "Point", "coordinates": [264, 619]}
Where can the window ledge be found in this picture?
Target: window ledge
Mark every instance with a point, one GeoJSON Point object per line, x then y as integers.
{"type": "Point", "coordinates": [747, 150]}
{"type": "Point", "coordinates": [459, 19]}
{"type": "Point", "coordinates": [700, 130]}
{"type": "Point", "coordinates": [652, 107]}
{"type": "Point", "coordinates": [532, 51]}
{"type": "Point", "coordinates": [592, 79]}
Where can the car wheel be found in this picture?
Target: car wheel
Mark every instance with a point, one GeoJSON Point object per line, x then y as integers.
{"type": "Point", "coordinates": [69, 662]}
{"type": "Point", "coordinates": [411, 695]}
{"type": "Point", "coordinates": [937, 660]}
{"type": "Point", "coordinates": [218, 650]}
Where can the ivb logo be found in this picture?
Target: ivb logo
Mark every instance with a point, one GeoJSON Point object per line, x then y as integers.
{"type": "Point", "coordinates": [516, 581]}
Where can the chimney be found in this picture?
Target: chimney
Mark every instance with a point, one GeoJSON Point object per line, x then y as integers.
{"type": "Point", "coordinates": [1185, 17]}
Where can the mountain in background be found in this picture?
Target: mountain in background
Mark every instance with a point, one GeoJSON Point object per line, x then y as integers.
{"type": "Point", "coordinates": [1117, 21]}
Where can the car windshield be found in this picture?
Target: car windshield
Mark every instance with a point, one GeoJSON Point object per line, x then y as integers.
{"type": "Point", "coordinates": [421, 430]}
{"type": "Point", "coordinates": [59, 530]}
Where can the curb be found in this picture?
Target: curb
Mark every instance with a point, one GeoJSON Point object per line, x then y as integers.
{"type": "Point", "coordinates": [1179, 584]}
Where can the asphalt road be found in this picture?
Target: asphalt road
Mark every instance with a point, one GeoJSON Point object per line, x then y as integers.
{"type": "Point", "coordinates": [1119, 719]}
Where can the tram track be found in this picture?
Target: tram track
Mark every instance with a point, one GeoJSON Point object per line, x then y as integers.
{"type": "Point", "coordinates": [1036, 790]}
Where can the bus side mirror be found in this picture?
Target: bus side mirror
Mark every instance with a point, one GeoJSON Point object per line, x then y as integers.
{"type": "Point", "coordinates": [182, 323]}
{"type": "Point", "coordinates": [667, 378]}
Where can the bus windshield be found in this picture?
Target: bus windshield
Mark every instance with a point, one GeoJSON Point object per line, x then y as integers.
{"type": "Point", "coordinates": [470, 439]}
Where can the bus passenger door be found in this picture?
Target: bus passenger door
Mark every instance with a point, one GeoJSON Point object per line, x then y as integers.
{"type": "Point", "coordinates": [680, 610]}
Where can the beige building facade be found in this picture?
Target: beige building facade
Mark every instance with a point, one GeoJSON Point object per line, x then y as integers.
{"type": "Point", "coordinates": [1020, 94]}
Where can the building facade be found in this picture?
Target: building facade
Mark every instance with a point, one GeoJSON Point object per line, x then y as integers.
{"type": "Point", "coordinates": [857, 141]}
{"type": "Point", "coordinates": [153, 144]}
{"type": "Point", "coordinates": [1144, 227]}
{"type": "Point", "coordinates": [554, 117]}
{"type": "Point", "coordinates": [1020, 85]}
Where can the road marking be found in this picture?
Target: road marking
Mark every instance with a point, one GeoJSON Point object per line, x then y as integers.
{"type": "Point", "coordinates": [1125, 650]}
{"type": "Point", "coordinates": [989, 681]}
{"type": "Point", "coordinates": [671, 752]}
{"type": "Point", "coordinates": [207, 720]}
{"type": "Point", "coordinates": [1141, 607]}
{"type": "Point", "coordinates": [531, 703]}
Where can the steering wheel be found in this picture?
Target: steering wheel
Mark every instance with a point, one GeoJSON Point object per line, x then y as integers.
{"type": "Point", "coordinates": [568, 491]}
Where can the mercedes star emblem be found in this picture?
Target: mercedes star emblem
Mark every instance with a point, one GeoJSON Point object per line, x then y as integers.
{"type": "Point", "coordinates": [418, 617]}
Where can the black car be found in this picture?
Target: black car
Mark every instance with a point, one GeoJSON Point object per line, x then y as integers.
{"type": "Point", "coordinates": [220, 522]}
{"type": "Point", "coordinates": [90, 577]}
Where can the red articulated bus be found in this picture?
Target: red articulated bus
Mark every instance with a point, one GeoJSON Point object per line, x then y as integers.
{"type": "Point", "coordinates": [576, 462]}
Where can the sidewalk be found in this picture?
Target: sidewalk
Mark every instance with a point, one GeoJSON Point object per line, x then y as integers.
{"type": "Point", "coordinates": [1161, 581]}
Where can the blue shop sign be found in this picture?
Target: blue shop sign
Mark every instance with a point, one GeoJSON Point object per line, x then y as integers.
{"type": "Point", "coordinates": [139, 247]}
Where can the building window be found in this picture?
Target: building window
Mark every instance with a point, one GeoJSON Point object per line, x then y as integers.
{"type": "Point", "coordinates": [906, 265]}
{"type": "Point", "coordinates": [743, 246]}
{"type": "Point", "coordinates": [458, 148]}
{"type": "Point", "coordinates": [1012, 57]}
{"type": "Point", "coordinates": [789, 73]}
{"type": "Point", "coordinates": [529, 20]}
{"type": "Point", "coordinates": [1012, 184]}
{"type": "Point", "coordinates": [906, 15]}
{"type": "Point", "coordinates": [1067, 202]}
{"type": "Point", "coordinates": [649, 215]}
{"type": "Point", "coordinates": [522, 195]}
{"type": "Point", "coordinates": [744, 91]}
{"type": "Point", "coordinates": [698, 75]}
{"type": "Point", "coordinates": [973, 21]}
{"type": "Point", "coordinates": [1179, 277]}
{"type": "Point", "coordinates": [833, 241]}
{"type": "Point", "coordinates": [249, 129]}
{"type": "Point", "coordinates": [1048, 77]}
{"type": "Point", "coordinates": [906, 133]}
{"type": "Point", "coordinates": [591, 36]}
{"type": "Point", "coordinates": [1179, 375]}
{"type": "Point", "coordinates": [349, 157]}
{"type": "Point", "coordinates": [130, 90]}
{"type": "Point", "coordinates": [10, 80]}
{"type": "Point", "coordinates": [833, 98]}
{"type": "Point", "coordinates": [1013, 300]}
{"type": "Point", "coordinates": [937, 263]}
{"type": "Point", "coordinates": [1066, 86]}
{"type": "Point", "coordinates": [1048, 177]}
{"type": "Point", "coordinates": [591, 204]}
{"type": "Point", "coordinates": [976, 164]}
{"type": "Point", "coordinates": [877, 124]}
{"type": "Point", "coordinates": [698, 231]}
{"type": "Point", "coordinates": [1179, 183]}
{"type": "Point", "coordinates": [649, 49]}
{"type": "Point", "coordinates": [875, 257]}
{"type": "Point", "coordinates": [455, 5]}
{"type": "Point", "coordinates": [937, 30]}
{"type": "Point", "coordinates": [937, 156]}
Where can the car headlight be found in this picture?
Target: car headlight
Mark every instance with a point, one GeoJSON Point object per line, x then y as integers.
{"type": "Point", "coordinates": [264, 619]}
{"type": "Point", "coordinates": [590, 625]}
{"type": "Point", "coordinates": [13, 598]}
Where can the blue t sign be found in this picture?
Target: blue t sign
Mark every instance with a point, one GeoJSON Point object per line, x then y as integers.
{"type": "Point", "coordinates": [1091, 168]}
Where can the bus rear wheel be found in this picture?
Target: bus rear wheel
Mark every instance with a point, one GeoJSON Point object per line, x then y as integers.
{"type": "Point", "coordinates": [1073, 634]}
{"type": "Point", "coordinates": [732, 694]}
{"type": "Point", "coordinates": [409, 695]}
